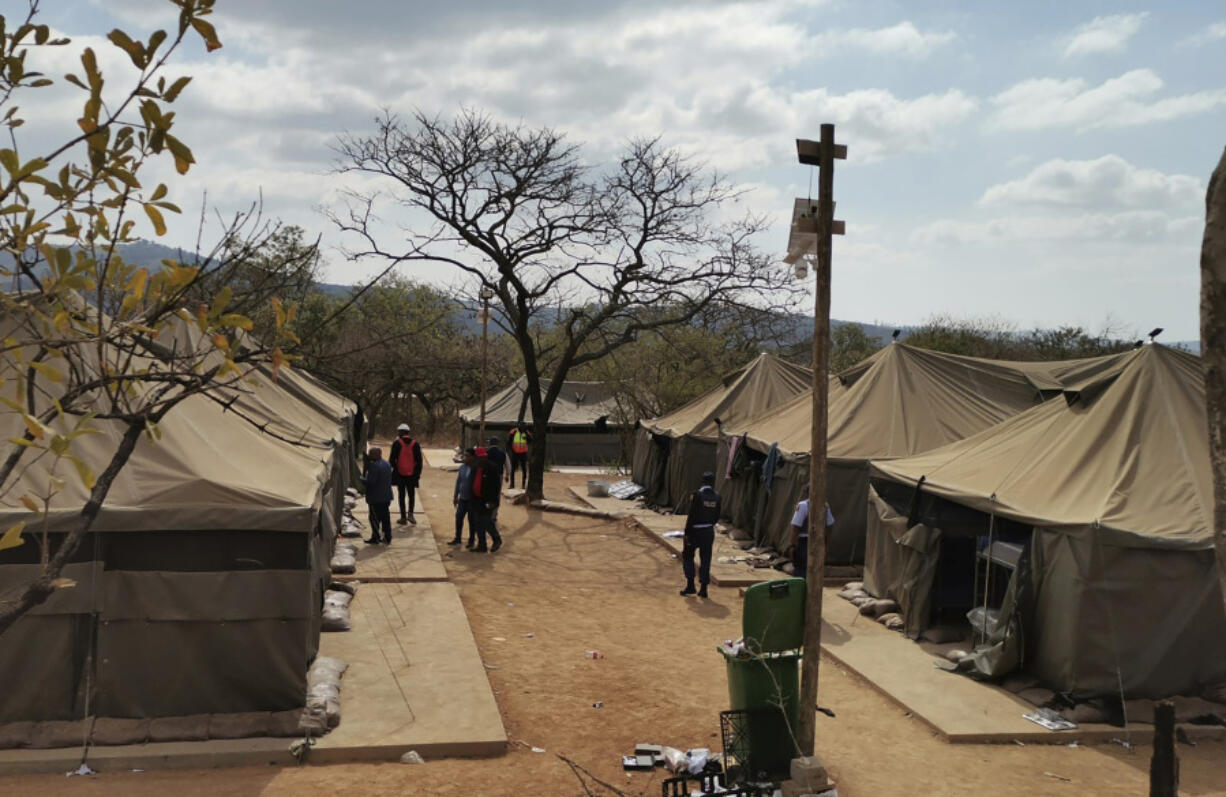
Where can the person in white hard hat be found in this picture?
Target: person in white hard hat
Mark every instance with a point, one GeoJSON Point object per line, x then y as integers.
{"type": "Point", "coordinates": [406, 462]}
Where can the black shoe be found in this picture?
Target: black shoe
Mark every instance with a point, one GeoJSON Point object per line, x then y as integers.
{"type": "Point", "coordinates": [479, 549]}
{"type": "Point", "coordinates": [372, 541]}
{"type": "Point", "coordinates": [456, 541]}
{"type": "Point", "coordinates": [496, 546]}
{"type": "Point", "coordinates": [387, 541]}
{"type": "Point", "coordinates": [688, 591]}
{"type": "Point", "coordinates": [412, 520]}
{"type": "Point", "coordinates": [702, 593]}
{"type": "Point", "coordinates": [471, 545]}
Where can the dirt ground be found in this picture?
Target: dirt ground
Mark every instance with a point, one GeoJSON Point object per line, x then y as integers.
{"type": "Point", "coordinates": [578, 584]}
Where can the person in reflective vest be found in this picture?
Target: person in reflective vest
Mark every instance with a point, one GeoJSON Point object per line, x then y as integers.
{"type": "Point", "coordinates": [405, 459]}
{"type": "Point", "coordinates": [520, 440]}
{"type": "Point", "coordinates": [700, 535]}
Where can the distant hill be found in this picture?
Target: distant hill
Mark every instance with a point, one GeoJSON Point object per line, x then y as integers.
{"type": "Point", "coordinates": [796, 328]}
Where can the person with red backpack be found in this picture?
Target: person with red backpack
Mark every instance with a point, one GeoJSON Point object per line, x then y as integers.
{"type": "Point", "coordinates": [487, 492]}
{"type": "Point", "coordinates": [406, 462]}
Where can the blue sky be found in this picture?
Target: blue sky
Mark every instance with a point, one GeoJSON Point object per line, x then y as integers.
{"type": "Point", "coordinates": [1042, 162]}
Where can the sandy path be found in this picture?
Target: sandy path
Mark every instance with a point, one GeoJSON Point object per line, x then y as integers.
{"type": "Point", "coordinates": [579, 584]}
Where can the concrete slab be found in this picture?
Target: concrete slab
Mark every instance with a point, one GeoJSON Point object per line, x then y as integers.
{"type": "Point", "coordinates": [440, 458]}
{"type": "Point", "coordinates": [415, 679]}
{"type": "Point", "coordinates": [412, 556]}
{"type": "Point", "coordinates": [958, 708]}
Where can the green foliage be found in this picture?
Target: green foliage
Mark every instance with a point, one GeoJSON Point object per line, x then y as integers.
{"type": "Point", "coordinates": [398, 340]}
{"type": "Point", "coordinates": [849, 344]}
{"type": "Point", "coordinates": [996, 339]}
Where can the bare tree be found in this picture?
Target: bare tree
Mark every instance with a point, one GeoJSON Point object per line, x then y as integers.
{"type": "Point", "coordinates": [1213, 347]}
{"type": "Point", "coordinates": [579, 260]}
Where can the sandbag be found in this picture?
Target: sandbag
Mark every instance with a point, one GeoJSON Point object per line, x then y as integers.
{"type": "Point", "coordinates": [284, 723]}
{"type": "Point", "coordinates": [1037, 696]}
{"type": "Point", "coordinates": [852, 594]}
{"type": "Point", "coordinates": [241, 725]}
{"type": "Point", "coordinates": [1215, 693]}
{"type": "Point", "coordinates": [859, 602]}
{"type": "Point", "coordinates": [15, 734]}
{"type": "Point", "coordinates": [344, 561]}
{"type": "Point", "coordinates": [884, 606]}
{"type": "Point", "coordinates": [892, 621]}
{"type": "Point", "coordinates": [324, 689]}
{"type": "Point", "coordinates": [1086, 714]}
{"type": "Point", "coordinates": [852, 586]}
{"type": "Point", "coordinates": [344, 586]}
{"type": "Point", "coordinates": [59, 733]}
{"type": "Point", "coordinates": [956, 655]}
{"type": "Point", "coordinates": [191, 728]}
{"type": "Point", "coordinates": [335, 615]}
{"type": "Point", "coordinates": [118, 730]}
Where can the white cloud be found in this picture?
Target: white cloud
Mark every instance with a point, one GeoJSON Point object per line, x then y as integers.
{"type": "Point", "coordinates": [1104, 34]}
{"type": "Point", "coordinates": [1106, 182]}
{"type": "Point", "coordinates": [1140, 226]}
{"type": "Point", "coordinates": [1213, 33]}
{"type": "Point", "coordinates": [1130, 99]}
{"type": "Point", "coordinates": [901, 39]}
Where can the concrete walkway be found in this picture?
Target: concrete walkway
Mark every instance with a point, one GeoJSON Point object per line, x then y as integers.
{"type": "Point", "coordinates": [960, 709]}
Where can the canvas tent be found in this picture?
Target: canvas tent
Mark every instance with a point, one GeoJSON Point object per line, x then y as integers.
{"type": "Point", "coordinates": [901, 401]}
{"type": "Point", "coordinates": [1097, 510]}
{"type": "Point", "coordinates": [583, 429]}
{"type": "Point", "coordinates": [199, 588]}
{"type": "Point", "coordinates": [672, 452]}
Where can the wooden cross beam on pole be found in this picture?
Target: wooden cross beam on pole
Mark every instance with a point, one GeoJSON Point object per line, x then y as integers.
{"type": "Point", "coordinates": [822, 154]}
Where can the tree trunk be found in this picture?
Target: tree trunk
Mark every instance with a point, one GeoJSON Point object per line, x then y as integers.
{"type": "Point", "coordinates": [1213, 348]}
{"type": "Point", "coordinates": [536, 462]}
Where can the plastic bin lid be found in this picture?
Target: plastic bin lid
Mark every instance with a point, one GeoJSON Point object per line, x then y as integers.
{"type": "Point", "coordinates": [773, 617]}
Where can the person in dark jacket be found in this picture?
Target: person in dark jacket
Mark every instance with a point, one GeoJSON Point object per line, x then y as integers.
{"type": "Point", "coordinates": [487, 492]}
{"type": "Point", "coordinates": [406, 465]}
{"type": "Point", "coordinates": [498, 459]}
{"type": "Point", "coordinates": [700, 535]}
{"type": "Point", "coordinates": [462, 497]}
{"type": "Point", "coordinates": [378, 481]}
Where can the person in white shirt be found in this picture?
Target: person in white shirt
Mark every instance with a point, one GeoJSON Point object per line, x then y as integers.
{"type": "Point", "coordinates": [800, 533]}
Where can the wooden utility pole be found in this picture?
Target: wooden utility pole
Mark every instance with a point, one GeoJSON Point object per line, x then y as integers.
{"type": "Point", "coordinates": [485, 350]}
{"type": "Point", "coordinates": [1213, 348]}
{"type": "Point", "coordinates": [823, 155]}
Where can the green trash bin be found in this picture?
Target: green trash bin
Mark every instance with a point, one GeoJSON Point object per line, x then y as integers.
{"type": "Point", "coordinates": [766, 684]}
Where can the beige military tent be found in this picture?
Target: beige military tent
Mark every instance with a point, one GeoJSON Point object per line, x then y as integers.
{"type": "Point", "coordinates": [672, 452]}
{"type": "Point", "coordinates": [1096, 509]}
{"type": "Point", "coordinates": [199, 588]}
{"type": "Point", "coordinates": [583, 427]}
{"type": "Point", "coordinates": [901, 401]}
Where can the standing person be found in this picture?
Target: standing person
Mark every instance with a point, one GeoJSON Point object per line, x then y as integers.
{"type": "Point", "coordinates": [520, 440]}
{"type": "Point", "coordinates": [462, 497]}
{"type": "Point", "coordinates": [700, 535]}
{"type": "Point", "coordinates": [498, 459]}
{"type": "Point", "coordinates": [406, 470]}
{"type": "Point", "coordinates": [487, 491]}
{"type": "Point", "coordinates": [378, 481]}
{"type": "Point", "coordinates": [800, 533]}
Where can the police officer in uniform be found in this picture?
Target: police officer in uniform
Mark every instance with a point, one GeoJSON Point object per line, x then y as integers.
{"type": "Point", "coordinates": [700, 535]}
